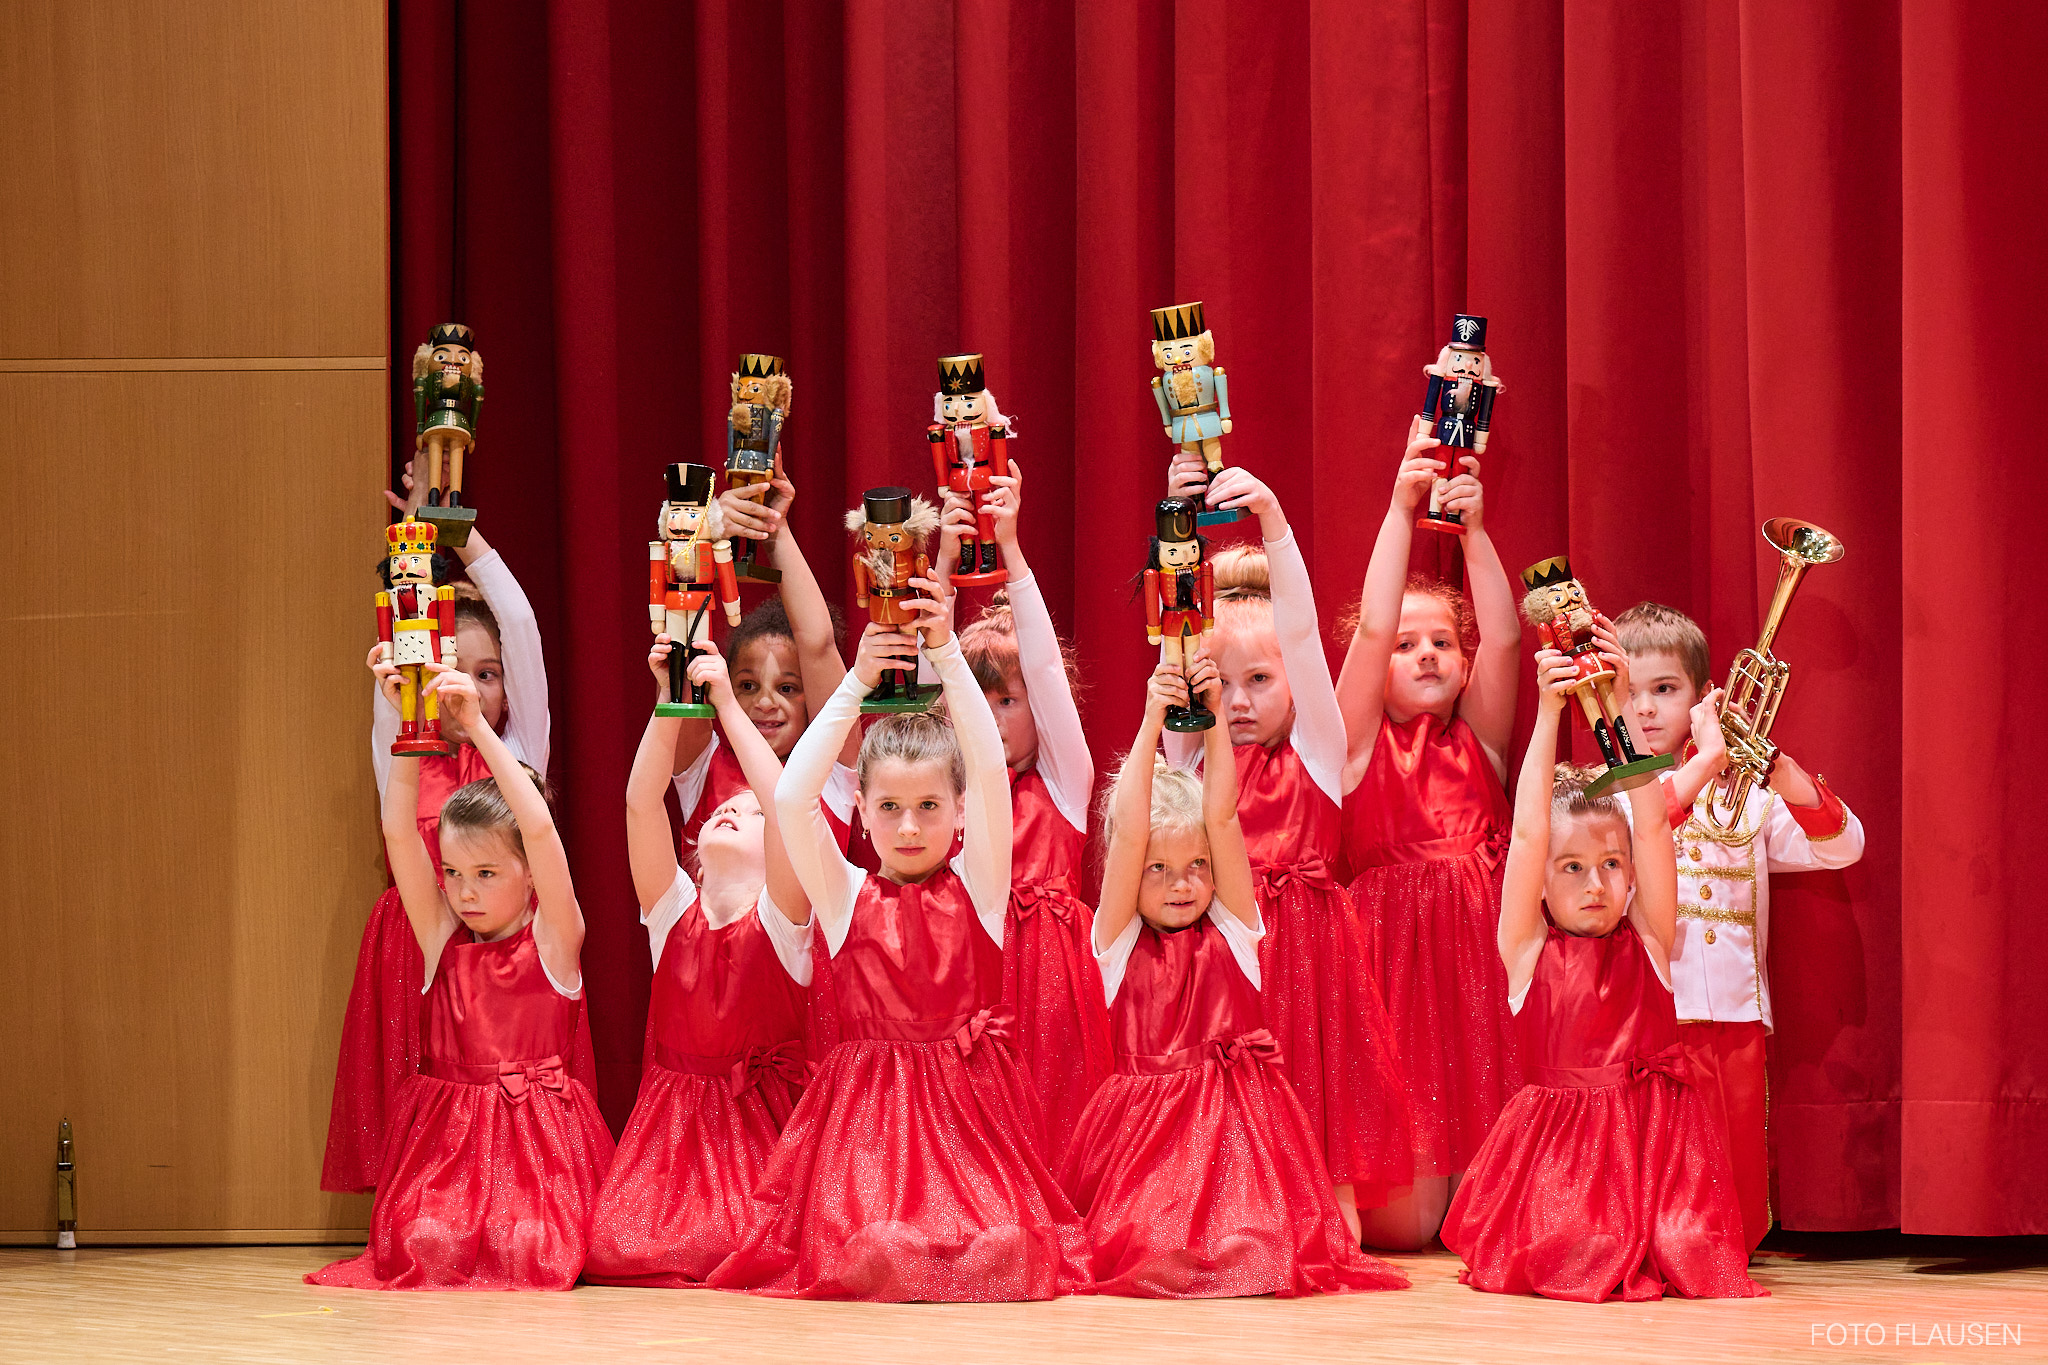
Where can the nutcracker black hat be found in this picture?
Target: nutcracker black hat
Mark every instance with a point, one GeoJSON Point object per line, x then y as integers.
{"type": "Point", "coordinates": [1547, 573]}
{"type": "Point", "coordinates": [1176, 518]}
{"type": "Point", "coordinates": [690, 483]}
{"type": "Point", "coordinates": [753, 365]}
{"type": "Point", "coordinates": [960, 374]}
{"type": "Point", "coordinates": [1468, 333]}
{"type": "Point", "coordinates": [888, 506]}
{"type": "Point", "coordinates": [1179, 322]}
{"type": "Point", "coordinates": [452, 334]}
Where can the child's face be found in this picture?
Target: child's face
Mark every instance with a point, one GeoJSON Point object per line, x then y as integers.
{"type": "Point", "coordinates": [912, 813]}
{"type": "Point", "coordinates": [1426, 671]}
{"type": "Point", "coordinates": [486, 881]}
{"type": "Point", "coordinates": [1012, 706]}
{"type": "Point", "coordinates": [1590, 875]}
{"type": "Point", "coordinates": [770, 686]}
{"type": "Point", "coordinates": [1660, 701]}
{"type": "Point", "coordinates": [732, 842]}
{"type": "Point", "coordinates": [1258, 704]}
{"type": "Point", "coordinates": [1177, 884]}
{"type": "Point", "coordinates": [476, 653]}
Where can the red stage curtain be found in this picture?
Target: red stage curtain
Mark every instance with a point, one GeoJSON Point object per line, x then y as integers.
{"type": "Point", "coordinates": [1741, 260]}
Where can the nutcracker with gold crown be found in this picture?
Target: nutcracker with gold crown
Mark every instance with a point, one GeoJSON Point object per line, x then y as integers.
{"type": "Point", "coordinates": [1192, 391]}
{"type": "Point", "coordinates": [1457, 410]}
{"type": "Point", "coordinates": [753, 436]}
{"type": "Point", "coordinates": [688, 570]}
{"type": "Point", "coordinates": [1180, 600]}
{"type": "Point", "coordinates": [893, 528]}
{"type": "Point", "coordinates": [1556, 605]}
{"type": "Point", "coordinates": [416, 624]}
{"type": "Point", "coordinates": [966, 431]}
{"type": "Point", "coordinates": [447, 400]}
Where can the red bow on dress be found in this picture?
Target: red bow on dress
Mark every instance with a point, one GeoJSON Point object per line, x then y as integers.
{"type": "Point", "coordinates": [1312, 873]}
{"type": "Point", "coordinates": [785, 1059]}
{"type": "Point", "coordinates": [1031, 897]}
{"type": "Point", "coordinates": [993, 1022]}
{"type": "Point", "coordinates": [1670, 1062]}
{"type": "Point", "coordinates": [517, 1079]}
{"type": "Point", "coordinates": [1258, 1044]}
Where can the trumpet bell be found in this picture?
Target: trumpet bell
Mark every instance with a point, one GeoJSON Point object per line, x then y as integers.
{"type": "Point", "coordinates": [1803, 541]}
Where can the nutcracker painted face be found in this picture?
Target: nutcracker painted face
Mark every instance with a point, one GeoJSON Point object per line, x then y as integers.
{"type": "Point", "coordinates": [451, 360]}
{"type": "Point", "coordinates": [964, 407]}
{"type": "Point", "coordinates": [1180, 554]}
{"type": "Point", "coordinates": [1180, 352]}
{"type": "Point", "coordinates": [750, 389]}
{"type": "Point", "coordinates": [412, 566]}
{"type": "Point", "coordinates": [1459, 364]}
{"type": "Point", "coordinates": [1567, 600]}
{"type": "Point", "coordinates": [680, 520]}
{"type": "Point", "coordinates": [888, 536]}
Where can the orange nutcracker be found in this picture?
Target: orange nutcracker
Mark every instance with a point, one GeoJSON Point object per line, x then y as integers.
{"type": "Point", "coordinates": [688, 569]}
{"type": "Point", "coordinates": [893, 527]}
{"type": "Point", "coordinates": [416, 624]}
{"type": "Point", "coordinates": [1180, 599]}
{"type": "Point", "coordinates": [1557, 606]}
{"type": "Point", "coordinates": [966, 433]}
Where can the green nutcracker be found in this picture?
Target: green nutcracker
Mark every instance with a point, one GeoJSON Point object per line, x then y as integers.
{"type": "Point", "coordinates": [448, 400]}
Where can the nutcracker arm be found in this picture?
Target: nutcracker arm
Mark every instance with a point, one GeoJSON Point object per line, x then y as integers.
{"type": "Point", "coordinates": [940, 464]}
{"type": "Point", "coordinates": [1434, 397]}
{"type": "Point", "coordinates": [1482, 406]}
{"type": "Point", "coordinates": [774, 433]}
{"type": "Point", "coordinates": [727, 581]}
{"type": "Point", "coordinates": [657, 583]}
{"type": "Point", "coordinates": [476, 412]}
{"type": "Point", "coordinates": [444, 614]}
{"type": "Point", "coordinates": [1159, 396]}
{"type": "Point", "coordinates": [1222, 395]}
{"type": "Point", "coordinates": [1207, 578]}
{"type": "Point", "coordinates": [419, 406]}
{"type": "Point", "coordinates": [863, 579]}
{"type": "Point", "coordinates": [384, 617]}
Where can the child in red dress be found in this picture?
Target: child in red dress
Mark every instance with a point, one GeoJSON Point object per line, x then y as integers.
{"type": "Point", "coordinates": [910, 1169]}
{"type": "Point", "coordinates": [495, 1151]}
{"type": "Point", "coordinates": [497, 643]}
{"type": "Point", "coordinates": [1604, 1178]}
{"type": "Point", "coordinates": [724, 1065]}
{"type": "Point", "coordinates": [1049, 974]}
{"type": "Point", "coordinates": [1321, 1000]}
{"type": "Point", "coordinates": [1429, 714]}
{"type": "Point", "coordinates": [1194, 1165]}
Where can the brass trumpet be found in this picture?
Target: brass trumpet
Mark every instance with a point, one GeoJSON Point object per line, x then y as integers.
{"type": "Point", "coordinates": [1756, 681]}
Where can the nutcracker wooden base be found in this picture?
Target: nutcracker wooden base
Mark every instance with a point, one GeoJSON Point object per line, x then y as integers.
{"type": "Point", "coordinates": [1444, 523]}
{"type": "Point", "coordinates": [688, 710]}
{"type": "Point", "coordinates": [755, 573]}
{"type": "Point", "coordinates": [422, 746]}
{"type": "Point", "coordinates": [1220, 517]}
{"type": "Point", "coordinates": [895, 698]}
{"type": "Point", "coordinates": [1625, 777]}
{"type": "Point", "coordinates": [1189, 721]}
{"type": "Point", "coordinates": [451, 524]}
{"type": "Point", "coordinates": [980, 580]}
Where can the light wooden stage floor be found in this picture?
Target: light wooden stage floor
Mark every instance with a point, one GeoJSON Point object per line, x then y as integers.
{"type": "Point", "coordinates": [248, 1304]}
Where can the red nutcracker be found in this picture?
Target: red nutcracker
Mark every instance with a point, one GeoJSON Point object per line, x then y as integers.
{"type": "Point", "coordinates": [416, 623]}
{"type": "Point", "coordinates": [966, 431]}
{"type": "Point", "coordinates": [1180, 599]}
{"type": "Point", "coordinates": [1556, 605]}
{"type": "Point", "coordinates": [688, 569]}
{"type": "Point", "coordinates": [894, 528]}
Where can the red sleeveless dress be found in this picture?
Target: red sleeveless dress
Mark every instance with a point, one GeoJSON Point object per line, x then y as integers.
{"type": "Point", "coordinates": [496, 1151]}
{"type": "Point", "coordinates": [1321, 1001]}
{"type": "Point", "coordinates": [1426, 835]}
{"type": "Point", "coordinates": [380, 1031]}
{"type": "Point", "coordinates": [910, 1169]}
{"type": "Point", "coordinates": [1604, 1177]}
{"type": "Point", "coordinates": [1194, 1165]}
{"type": "Point", "coordinates": [1049, 973]}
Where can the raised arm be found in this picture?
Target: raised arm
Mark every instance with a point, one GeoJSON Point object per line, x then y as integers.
{"type": "Point", "coordinates": [650, 843]}
{"type": "Point", "coordinates": [1362, 682]}
{"type": "Point", "coordinates": [1521, 931]}
{"type": "Point", "coordinates": [1123, 866]}
{"type": "Point", "coordinates": [985, 842]}
{"type": "Point", "coordinates": [414, 873]}
{"type": "Point", "coordinates": [828, 880]}
{"type": "Point", "coordinates": [1063, 758]}
{"type": "Point", "coordinates": [527, 724]}
{"type": "Point", "coordinates": [764, 773]}
{"type": "Point", "coordinates": [1488, 705]}
{"type": "Point", "coordinates": [1654, 911]}
{"type": "Point", "coordinates": [1229, 862]}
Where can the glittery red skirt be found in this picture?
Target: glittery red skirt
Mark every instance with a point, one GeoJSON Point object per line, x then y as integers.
{"type": "Point", "coordinates": [380, 1047]}
{"type": "Point", "coordinates": [1207, 1182]}
{"type": "Point", "coordinates": [1611, 1192]}
{"type": "Point", "coordinates": [910, 1171]}
{"type": "Point", "coordinates": [1337, 1046]}
{"type": "Point", "coordinates": [481, 1191]}
{"type": "Point", "coordinates": [1432, 928]}
{"type": "Point", "coordinates": [1050, 979]}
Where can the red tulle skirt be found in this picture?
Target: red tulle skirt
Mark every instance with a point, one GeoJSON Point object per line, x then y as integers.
{"type": "Point", "coordinates": [1206, 1183]}
{"type": "Point", "coordinates": [481, 1192]}
{"type": "Point", "coordinates": [1432, 929]}
{"type": "Point", "coordinates": [680, 1194]}
{"type": "Point", "coordinates": [380, 1048]}
{"type": "Point", "coordinates": [1323, 1006]}
{"type": "Point", "coordinates": [910, 1172]}
{"type": "Point", "coordinates": [1617, 1191]}
{"type": "Point", "coordinates": [1051, 980]}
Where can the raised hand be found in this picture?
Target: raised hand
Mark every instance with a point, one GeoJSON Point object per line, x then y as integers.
{"type": "Point", "coordinates": [1165, 688]}
{"type": "Point", "coordinates": [1555, 674]}
{"type": "Point", "coordinates": [708, 668]}
{"type": "Point", "coordinates": [1186, 476]}
{"type": "Point", "coordinates": [934, 612]}
{"type": "Point", "coordinates": [1611, 652]}
{"type": "Point", "coordinates": [1204, 679]}
{"type": "Point", "coordinates": [1004, 502]}
{"type": "Point", "coordinates": [389, 679]}
{"type": "Point", "coordinates": [1706, 732]}
{"type": "Point", "coordinates": [1418, 472]}
{"type": "Point", "coordinates": [956, 523]}
{"type": "Point", "coordinates": [1463, 494]}
{"type": "Point", "coordinates": [410, 503]}
{"type": "Point", "coordinates": [457, 693]}
{"type": "Point", "coordinates": [881, 650]}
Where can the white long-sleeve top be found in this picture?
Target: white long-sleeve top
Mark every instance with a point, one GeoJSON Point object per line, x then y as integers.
{"type": "Point", "coordinates": [1063, 758]}
{"type": "Point", "coordinates": [1318, 731]}
{"type": "Point", "coordinates": [527, 726]}
{"type": "Point", "coordinates": [833, 883]}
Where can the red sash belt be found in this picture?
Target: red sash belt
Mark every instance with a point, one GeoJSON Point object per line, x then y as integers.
{"type": "Point", "coordinates": [1258, 1045]}
{"type": "Point", "coordinates": [744, 1070]}
{"type": "Point", "coordinates": [1490, 843]}
{"type": "Point", "coordinates": [1669, 1062]}
{"type": "Point", "coordinates": [964, 1031]}
{"type": "Point", "coordinates": [516, 1079]}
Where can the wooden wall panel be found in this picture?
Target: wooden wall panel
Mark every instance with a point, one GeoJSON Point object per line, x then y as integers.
{"type": "Point", "coordinates": [192, 179]}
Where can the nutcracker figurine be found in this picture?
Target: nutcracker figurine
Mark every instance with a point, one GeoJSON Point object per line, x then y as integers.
{"type": "Point", "coordinates": [1458, 409]}
{"type": "Point", "coordinates": [1193, 393]}
{"type": "Point", "coordinates": [753, 433]}
{"type": "Point", "coordinates": [893, 528]}
{"type": "Point", "coordinates": [966, 424]}
{"type": "Point", "coordinates": [416, 624]}
{"type": "Point", "coordinates": [447, 400]}
{"type": "Point", "coordinates": [1180, 599]}
{"type": "Point", "coordinates": [1556, 605]}
{"type": "Point", "coordinates": [687, 568]}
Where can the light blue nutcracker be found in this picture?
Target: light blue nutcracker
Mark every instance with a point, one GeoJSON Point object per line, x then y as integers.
{"type": "Point", "coordinates": [1192, 391]}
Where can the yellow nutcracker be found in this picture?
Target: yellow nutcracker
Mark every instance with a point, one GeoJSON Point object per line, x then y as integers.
{"type": "Point", "coordinates": [416, 623]}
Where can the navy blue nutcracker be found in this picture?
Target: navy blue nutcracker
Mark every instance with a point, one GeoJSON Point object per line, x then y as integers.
{"type": "Point", "coordinates": [753, 435]}
{"type": "Point", "coordinates": [1457, 410]}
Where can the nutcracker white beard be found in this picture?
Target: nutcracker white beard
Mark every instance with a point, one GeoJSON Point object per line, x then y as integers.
{"type": "Point", "coordinates": [1186, 393]}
